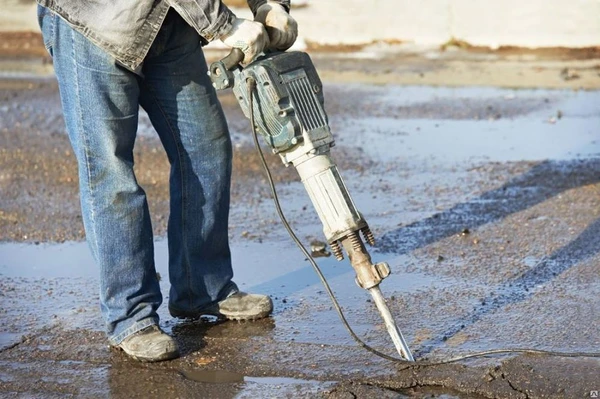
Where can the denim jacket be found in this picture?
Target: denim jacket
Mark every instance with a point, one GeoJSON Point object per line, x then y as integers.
{"type": "Point", "coordinates": [126, 28]}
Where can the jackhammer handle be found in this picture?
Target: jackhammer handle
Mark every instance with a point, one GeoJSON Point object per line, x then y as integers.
{"type": "Point", "coordinates": [220, 72]}
{"type": "Point", "coordinates": [233, 59]}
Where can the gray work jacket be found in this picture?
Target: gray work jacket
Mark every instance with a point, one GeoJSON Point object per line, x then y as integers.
{"type": "Point", "coordinates": [127, 28]}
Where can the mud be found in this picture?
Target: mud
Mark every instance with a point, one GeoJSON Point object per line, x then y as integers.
{"type": "Point", "coordinates": [485, 202]}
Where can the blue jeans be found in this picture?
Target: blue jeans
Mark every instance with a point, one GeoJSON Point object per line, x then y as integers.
{"type": "Point", "coordinates": [100, 101]}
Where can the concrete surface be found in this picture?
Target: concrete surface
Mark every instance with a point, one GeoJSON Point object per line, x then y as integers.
{"type": "Point", "coordinates": [485, 202]}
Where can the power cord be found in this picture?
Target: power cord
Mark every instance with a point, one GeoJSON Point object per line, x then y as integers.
{"type": "Point", "coordinates": [251, 83]}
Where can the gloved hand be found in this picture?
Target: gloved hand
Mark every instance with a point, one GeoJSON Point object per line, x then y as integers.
{"type": "Point", "coordinates": [249, 36]}
{"type": "Point", "coordinates": [281, 27]}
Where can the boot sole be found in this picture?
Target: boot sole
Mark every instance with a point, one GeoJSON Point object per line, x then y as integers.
{"type": "Point", "coordinates": [163, 357]}
{"type": "Point", "coordinates": [258, 316]}
{"type": "Point", "coordinates": [221, 315]}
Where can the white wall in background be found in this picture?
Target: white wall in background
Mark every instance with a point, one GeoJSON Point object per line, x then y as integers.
{"type": "Point", "coordinates": [528, 23]}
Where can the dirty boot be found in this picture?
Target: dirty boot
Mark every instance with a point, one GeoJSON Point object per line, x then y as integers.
{"type": "Point", "coordinates": [238, 306]}
{"type": "Point", "coordinates": [244, 306]}
{"type": "Point", "coordinates": [150, 345]}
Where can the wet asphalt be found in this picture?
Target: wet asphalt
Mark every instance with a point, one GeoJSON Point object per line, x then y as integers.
{"type": "Point", "coordinates": [484, 201]}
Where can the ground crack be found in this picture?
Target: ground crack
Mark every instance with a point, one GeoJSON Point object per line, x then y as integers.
{"type": "Point", "coordinates": [26, 338]}
{"type": "Point", "coordinates": [514, 387]}
{"type": "Point", "coordinates": [14, 345]}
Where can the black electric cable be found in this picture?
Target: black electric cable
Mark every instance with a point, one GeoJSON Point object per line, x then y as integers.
{"type": "Point", "coordinates": [251, 83]}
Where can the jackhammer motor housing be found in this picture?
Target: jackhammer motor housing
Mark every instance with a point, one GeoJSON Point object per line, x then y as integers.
{"type": "Point", "coordinates": [289, 113]}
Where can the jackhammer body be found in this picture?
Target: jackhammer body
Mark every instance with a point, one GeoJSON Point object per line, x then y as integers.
{"type": "Point", "coordinates": [283, 94]}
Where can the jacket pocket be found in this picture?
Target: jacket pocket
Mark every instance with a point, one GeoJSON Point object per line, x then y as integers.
{"type": "Point", "coordinates": [47, 22]}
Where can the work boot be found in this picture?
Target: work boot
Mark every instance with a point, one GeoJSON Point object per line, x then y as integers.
{"type": "Point", "coordinates": [150, 345]}
{"type": "Point", "coordinates": [238, 306]}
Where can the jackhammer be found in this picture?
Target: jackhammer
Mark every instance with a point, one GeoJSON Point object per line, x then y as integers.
{"type": "Point", "coordinates": [282, 94]}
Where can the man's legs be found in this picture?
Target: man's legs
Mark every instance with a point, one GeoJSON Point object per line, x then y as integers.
{"type": "Point", "coordinates": [100, 105]}
{"type": "Point", "coordinates": [100, 102]}
{"type": "Point", "coordinates": [183, 107]}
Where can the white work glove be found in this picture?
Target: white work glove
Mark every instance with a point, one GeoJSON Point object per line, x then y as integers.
{"type": "Point", "coordinates": [249, 36]}
{"type": "Point", "coordinates": [281, 27]}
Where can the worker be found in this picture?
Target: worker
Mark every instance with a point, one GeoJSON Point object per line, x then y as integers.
{"type": "Point", "coordinates": [110, 58]}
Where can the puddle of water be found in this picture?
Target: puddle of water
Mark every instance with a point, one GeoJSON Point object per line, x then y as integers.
{"type": "Point", "coordinates": [283, 381]}
{"type": "Point", "coordinates": [467, 141]}
{"type": "Point", "coordinates": [432, 102]}
{"type": "Point", "coordinates": [439, 123]}
{"type": "Point", "coordinates": [71, 259]}
{"type": "Point", "coordinates": [8, 339]}
{"type": "Point", "coordinates": [61, 276]}
{"type": "Point", "coordinates": [240, 386]}
{"type": "Point", "coordinates": [227, 377]}
{"type": "Point", "coordinates": [66, 260]}
{"type": "Point", "coordinates": [249, 385]}
{"type": "Point", "coordinates": [213, 376]}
